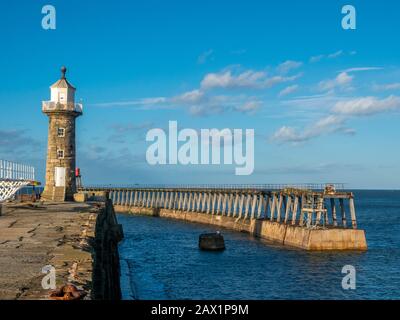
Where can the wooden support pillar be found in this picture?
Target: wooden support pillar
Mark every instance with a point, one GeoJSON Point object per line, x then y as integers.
{"type": "Point", "coordinates": [343, 211]}
{"type": "Point", "coordinates": [135, 198]}
{"type": "Point", "coordinates": [235, 205]}
{"type": "Point", "coordinates": [119, 197]}
{"type": "Point", "coordinates": [267, 212]}
{"type": "Point", "coordinates": [320, 207]}
{"type": "Point", "coordinates": [230, 204]}
{"type": "Point", "coordinates": [185, 196]}
{"type": "Point", "coordinates": [284, 199]}
{"type": "Point", "coordinates": [190, 202]}
{"type": "Point", "coordinates": [199, 201]}
{"type": "Point", "coordinates": [141, 196]}
{"type": "Point", "coordinates": [333, 211]}
{"type": "Point", "coordinates": [170, 199]}
{"type": "Point", "coordinates": [166, 199]}
{"type": "Point", "coordinates": [157, 199]}
{"type": "Point", "coordinates": [214, 203]}
{"type": "Point", "coordinates": [153, 198]}
{"type": "Point", "coordinates": [122, 200]}
{"type": "Point", "coordinates": [303, 202]}
{"type": "Point", "coordinates": [136, 202]}
{"type": "Point", "coordinates": [194, 204]}
{"type": "Point", "coordinates": [353, 213]}
{"type": "Point", "coordinates": [219, 203]}
{"type": "Point", "coordinates": [247, 206]}
{"type": "Point", "coordinates": [186, 201]}
{"type": "Point", "coordinates": [253, 205]}
{"type": "Point", "coordinates": [209, 202]}
{"type": "Point", "coordinates": [260, 206]}
{"type": "Point", "coordinates": [240, 213]}
{"type": "Point", "coordinates": [279, 208]}
{"type": "Point", "coordinates": [273, 205]}
{"type": "Point", "coordinates": [126, 200]}
{"type": "Point", "coordinates": [130, 198]}
{"type": "Point", "coordinates": [288, 208]}
{"type": "Point", "coordinates": [175, 203]}
{"type": "Point", "coordinates": [144, 198]}
{"type": "Point", "coordinates": [114, 197]}
{"type": "Point", "coordinates": [194, 201]}
{"type": "Point", "coordinates": [180, 200]}
{"type": "Point", "coordinates": [223, 207]}
{"type": "Point", "coordinates": [295, 209]}
{"type": "Point", "coordinates": [162, 200]}
{"type": "Point", "coordinates": [203, 204]}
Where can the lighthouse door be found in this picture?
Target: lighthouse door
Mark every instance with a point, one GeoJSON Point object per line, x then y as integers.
{"type": "Point", "coordinates": [60, 177]}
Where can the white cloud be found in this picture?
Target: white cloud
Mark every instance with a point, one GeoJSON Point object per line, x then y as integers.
{"type": "Point", "coordinates": [246, 79]}
{"type": "Point", "coordinates": [329, 124]}
{"type": "Point", "coordinates": [335, 54]}
{"type": "Point", "coordinates": [342, 80]}
{"type": "Point", "coordinates": [205, 56]}
{"type": "Point", "coordinates": [250, 107]}
{"type": "Point", "coordinates": [358, 69]}
{"type": "Point", "coordinates": [316, 58]}
{"type": "Point", "coordinates": [190, 96]}
{"type": "Point", "coordinates": [366, 106]}
{"type": "Point", "coordinates": [138, 102]}
{"type": "Point", "coordinates": [288, 90]}
{"type": "Point", "coordinates": [226, 79]}
{"type": "Point", "coordinates": [388, 86]}
{"type": "Point", "coordinates": [288, 65]}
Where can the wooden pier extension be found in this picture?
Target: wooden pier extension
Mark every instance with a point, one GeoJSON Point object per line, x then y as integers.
{"type": "Point", "coordinates": [322, 219]}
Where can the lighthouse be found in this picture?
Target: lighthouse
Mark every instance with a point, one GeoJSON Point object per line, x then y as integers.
{"type": "Point", "coordinates": [61, 156]}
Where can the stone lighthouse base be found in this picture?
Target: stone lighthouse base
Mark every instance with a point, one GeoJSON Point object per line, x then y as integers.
{"type": "Point", "coordinates": [56, 194]}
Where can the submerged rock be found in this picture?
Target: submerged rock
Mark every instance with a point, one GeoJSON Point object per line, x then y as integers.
{"type": "Point", "coordinates": [212, 241]}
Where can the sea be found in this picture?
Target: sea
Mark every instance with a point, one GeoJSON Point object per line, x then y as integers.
{"type": "Point", "coordinates": [160, 259]}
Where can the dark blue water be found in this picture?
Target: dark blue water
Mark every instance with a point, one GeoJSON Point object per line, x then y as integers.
{"type": "Point", "coordinates": [161, 260]}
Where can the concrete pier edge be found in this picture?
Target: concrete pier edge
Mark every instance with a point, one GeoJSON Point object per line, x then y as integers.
{"type": "Point", "coordinates": [284, 234]}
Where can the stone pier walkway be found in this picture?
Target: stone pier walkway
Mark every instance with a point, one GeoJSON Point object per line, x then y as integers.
{"type": "Point", "coordinates": [35, 235]}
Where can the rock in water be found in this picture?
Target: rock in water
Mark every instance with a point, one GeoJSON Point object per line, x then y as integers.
{"type": "Point", "coordinates": [212, 241]}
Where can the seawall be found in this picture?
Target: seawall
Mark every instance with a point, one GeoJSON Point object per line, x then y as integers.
{"type": "Point", "coordinates": [285, 234]}
{"type": "Point", "coordinates": [106, 270]}
{"type": "Point", "coordinates": [77, 241]}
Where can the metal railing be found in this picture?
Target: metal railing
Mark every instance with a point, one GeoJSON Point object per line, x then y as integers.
{"type": "Point", "coordinates": [16, 171]}
{"type": "Point", "coordinates": [269, 187]}
{"type": "Point", "coordinates": [55, 106]}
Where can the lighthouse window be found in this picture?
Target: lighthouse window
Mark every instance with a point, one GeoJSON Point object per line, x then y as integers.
{"type": "Point", "coordinates": [60, 154]}
{"type": "Point", "coordinates": [61, 132]}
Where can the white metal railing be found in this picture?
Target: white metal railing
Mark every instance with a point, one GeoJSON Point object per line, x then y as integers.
{"type": "Point", "coordinates": [53, 106]}
{"type": "Point", "coordinates": [16, 171]}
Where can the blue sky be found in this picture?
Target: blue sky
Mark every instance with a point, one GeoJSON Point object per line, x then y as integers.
{"type": "Point", "coordinates": [324, 102]}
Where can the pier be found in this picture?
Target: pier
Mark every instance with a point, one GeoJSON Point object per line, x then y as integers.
{"type": "Point", "coordinates": [78, 240]}
{"type": "Point", "coordinates": [311, 217]}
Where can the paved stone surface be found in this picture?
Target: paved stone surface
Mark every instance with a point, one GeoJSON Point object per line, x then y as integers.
{"type": "Point", "coordinates": [35, 235]}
